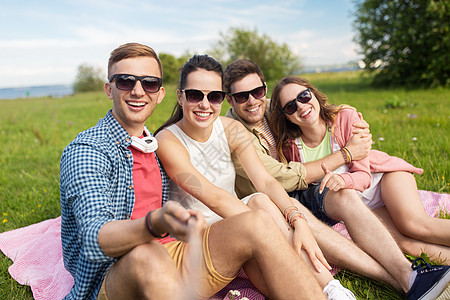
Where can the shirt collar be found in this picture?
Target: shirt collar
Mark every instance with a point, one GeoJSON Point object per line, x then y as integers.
{"type": "Point", "coordinates": [121, 135]}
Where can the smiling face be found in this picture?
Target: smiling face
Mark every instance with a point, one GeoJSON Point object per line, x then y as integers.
{"type": "Point", "coordinates": [252, 111]}
{"type": "Point", "coordinates": [132, 108]}
{"type": "Point", "coordinates": [201, 115]}
{"type": "Point", "coordinates": [307, 114]}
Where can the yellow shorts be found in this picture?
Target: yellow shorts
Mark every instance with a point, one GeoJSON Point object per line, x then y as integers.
{"type": "Point", "coordinates": [210, 280]}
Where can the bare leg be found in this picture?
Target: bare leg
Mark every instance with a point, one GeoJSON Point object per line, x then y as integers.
{"type": "Point", "coordinates": [260, 201]}
{"type": "Point", "coordinates": [369, 233]}
{"type": "Point", "coordinates": [399, 193]}
{"type": "Point", "coordinates": [253, 235]}
{"type": "Point", "coordinates": [130, 278]}
{"type": "Point", "coordinates": [347, 255]}
{"type": "Point", "coordinates": [413, 246]}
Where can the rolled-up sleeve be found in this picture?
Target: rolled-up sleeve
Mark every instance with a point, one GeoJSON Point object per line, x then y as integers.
{"type": "Point", "coordinates": [291, 176]}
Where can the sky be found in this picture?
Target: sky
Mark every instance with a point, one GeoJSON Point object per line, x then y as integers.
{"type": "Point", "coordinates": [43, 42]}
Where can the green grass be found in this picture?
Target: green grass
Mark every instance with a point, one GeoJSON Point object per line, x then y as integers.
{"type": "Point", "coordinates": [33, 133]}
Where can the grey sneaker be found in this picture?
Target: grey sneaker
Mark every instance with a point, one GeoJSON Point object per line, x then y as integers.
{"type": "Point", "coordinates": [335, 291]}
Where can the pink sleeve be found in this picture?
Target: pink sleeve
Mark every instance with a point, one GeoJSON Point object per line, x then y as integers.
{"type": "Point", "coordinates": [358, 177]}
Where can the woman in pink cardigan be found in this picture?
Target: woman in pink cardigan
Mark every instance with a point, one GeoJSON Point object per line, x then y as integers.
{"type": "Point", "coordinates": [307, 128]}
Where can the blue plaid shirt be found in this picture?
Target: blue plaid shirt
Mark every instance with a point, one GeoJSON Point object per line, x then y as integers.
{"type": "Point", "coordinates": [96, 184]}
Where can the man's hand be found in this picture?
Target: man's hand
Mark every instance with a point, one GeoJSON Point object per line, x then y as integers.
{"type": "Point", "coordinates": [361, 142]}
{"type": "Point", "coordinates": [178, 221]}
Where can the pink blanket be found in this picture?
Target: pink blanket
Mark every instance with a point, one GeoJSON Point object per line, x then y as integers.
{"type": "Point", "coordinates": [37, 256]}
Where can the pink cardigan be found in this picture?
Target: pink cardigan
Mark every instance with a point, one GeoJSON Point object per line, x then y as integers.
{"type": "Point", "coordinates": [358, 177]}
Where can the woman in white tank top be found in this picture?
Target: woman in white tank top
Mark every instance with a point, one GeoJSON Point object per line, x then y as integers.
{"type": "Point", "coordinates": [195, 148]}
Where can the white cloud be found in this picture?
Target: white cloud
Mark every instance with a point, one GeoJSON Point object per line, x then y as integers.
{"type": "Point", "coordinates": [47, 42]}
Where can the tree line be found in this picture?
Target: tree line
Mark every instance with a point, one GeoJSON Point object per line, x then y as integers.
{"type": "Point", "coordinates": [277, 60]}
{"type": "Point", "coordinates": [405, 42]}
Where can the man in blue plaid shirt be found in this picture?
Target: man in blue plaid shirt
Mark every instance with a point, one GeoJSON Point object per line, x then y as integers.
{"type": "Point", "coordinates": [112, 190]}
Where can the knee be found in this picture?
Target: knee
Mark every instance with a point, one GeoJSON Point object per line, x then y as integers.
{"type": "Point", "coordinates": [148, 266]}
{"type": "Point", "coordinates": [412, 227]}
{"type": "Point", "coordinates": [260, 201]}
{"type": "Point", "coordinates": [256, 222]}
{"type": "Point", "coordinates": [342, 202]}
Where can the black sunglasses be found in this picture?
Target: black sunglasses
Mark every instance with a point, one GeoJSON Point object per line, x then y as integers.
{"type": "Point", "coordinates": [127, 82]}
{"type": "Point", "coordinates": [242, 97]}
{"type": "Point", "coordinates": [302, 97]}
{"type": "Point", "coordinates": [196, 96]}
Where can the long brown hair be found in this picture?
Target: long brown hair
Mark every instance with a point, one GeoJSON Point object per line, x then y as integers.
{"type": "Point", "coordinates": [195, 63]}
{"type": "Point", "coordinates": [281, 127]}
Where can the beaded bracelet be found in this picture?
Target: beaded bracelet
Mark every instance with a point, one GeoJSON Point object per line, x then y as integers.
{"type": "Point", "coordinates": [284, 211]}
{"type": "Point", "coordinates": [148, 222]}
{"type": "Point", "coordinates": [289, 213]}
{"type": "Point", "coordinates": [296, 216]}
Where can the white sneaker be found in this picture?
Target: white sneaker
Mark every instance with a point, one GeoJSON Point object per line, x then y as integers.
{"type": "Point", "coordinates": [335, 291]}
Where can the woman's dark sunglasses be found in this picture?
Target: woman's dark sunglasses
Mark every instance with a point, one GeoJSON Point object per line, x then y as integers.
{"type": "Point", "coordinates": [302, 97]}
{"type": "Point", "coordinates": [257, 93]}
{"type": "Point", "coordinates": [126, 82]}
{"type": "Point", "coordinates": [196, 96]}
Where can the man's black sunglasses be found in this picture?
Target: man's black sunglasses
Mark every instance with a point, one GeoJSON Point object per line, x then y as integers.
{"type": "Point", "coordinates": [126, 82]}
{"type": "Point", "coordinates": [242, 97]}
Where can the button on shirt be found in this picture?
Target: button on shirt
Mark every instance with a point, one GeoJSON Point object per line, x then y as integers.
{"type": "Point", "coordinates": [96, 185]}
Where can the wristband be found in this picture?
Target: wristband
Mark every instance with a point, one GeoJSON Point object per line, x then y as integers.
{"type": "Point", "coordinates": [289, 206]}
{"type": "Point", "coordinates": [349, 154]}
{"type": "Point", "coordinates": [296, 216]}
{"type": "Point", "coordinates": [289, 213]}
{"type": "Point", "coordinates": [344, 154]}
{"type": "Point", "coordinates": [149, 224]}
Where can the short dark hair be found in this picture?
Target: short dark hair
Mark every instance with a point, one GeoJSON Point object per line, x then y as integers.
{"type": "Point", "coordinates": [131, 50]}
{"type": "Point", "coordinates": [237, 70]}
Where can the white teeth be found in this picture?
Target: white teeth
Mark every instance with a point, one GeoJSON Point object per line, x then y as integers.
{"type": "Point", "coordinates": [306, 112]}
{"type": "Point", "coordinates": [136, 103]}
{"type": "Point", "coordinates": [201, 114]}
{"type": "Point", "coordinates": [253, 109]}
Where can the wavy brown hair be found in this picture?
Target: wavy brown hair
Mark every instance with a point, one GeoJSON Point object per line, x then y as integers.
{"type": "Point", "coordinates": [285, 130]}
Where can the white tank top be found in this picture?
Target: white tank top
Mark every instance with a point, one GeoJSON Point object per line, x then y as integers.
{"type": "Point", "coordinates": [213, 160]}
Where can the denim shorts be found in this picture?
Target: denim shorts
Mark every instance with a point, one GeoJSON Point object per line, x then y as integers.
{"type": "Point", "coordinates": [312, 200]}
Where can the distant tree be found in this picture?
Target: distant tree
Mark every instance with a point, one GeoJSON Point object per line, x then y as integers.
{"type": "Point", "coordinates": [171, 64]}
{"type": "Point", "coordinates": [408, 41]}
{"type": "Point", "coordinates": [275, 60]}
{"type": "Point", "coordinates": [88, 79]}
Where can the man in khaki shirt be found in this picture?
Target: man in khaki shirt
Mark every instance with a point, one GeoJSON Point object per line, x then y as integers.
{"type": "Point", "coordinates": [377, 255]}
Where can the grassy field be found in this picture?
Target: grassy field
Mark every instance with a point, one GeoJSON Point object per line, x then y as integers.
{"type": "Point", "coordinates": [412, 124]}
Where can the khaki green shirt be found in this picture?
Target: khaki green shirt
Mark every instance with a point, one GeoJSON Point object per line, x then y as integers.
{"type": "Point", "coordinates": [291, 176]}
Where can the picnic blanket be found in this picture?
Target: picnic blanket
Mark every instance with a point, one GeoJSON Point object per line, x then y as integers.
{"type": "Point", "coordinates": [37, 256]}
